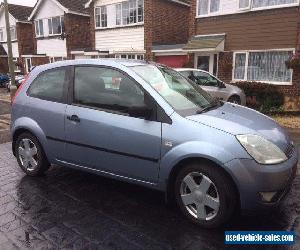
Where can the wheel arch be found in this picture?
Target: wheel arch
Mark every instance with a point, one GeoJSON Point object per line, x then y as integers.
{"type": "Point", "coordinates": [234, 95]}
{"type": "Point", "coordinates": [23, 125]}
{"type": "Point", "coordinates": [169, 194]}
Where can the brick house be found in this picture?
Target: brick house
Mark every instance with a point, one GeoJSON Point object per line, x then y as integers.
{"type": "Point", "coordinates": [247, 40]}
{"type": "Point", "coordinates": [21, 34]}
{"type": "Point", "coordinates": [134, 29]}
{"type": "Point", "coordinates": [61, 27]}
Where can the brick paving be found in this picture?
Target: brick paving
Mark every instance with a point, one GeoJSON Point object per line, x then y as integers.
{"type": "Point", "coordinates": [68, 209]}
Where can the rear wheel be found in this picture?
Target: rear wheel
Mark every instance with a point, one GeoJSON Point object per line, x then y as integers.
{"type": "Point", "coordinates": [30, 155]}
{"type": "Point", "coordinates": [235, 99]}
{"type": "Point", "coordinates": [205, 195]}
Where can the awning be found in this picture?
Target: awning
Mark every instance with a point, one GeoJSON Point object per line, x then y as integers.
{"type": "Point", "coordinates": [168, 49]}
{"type": "Point", "coordinates": [206, 43]}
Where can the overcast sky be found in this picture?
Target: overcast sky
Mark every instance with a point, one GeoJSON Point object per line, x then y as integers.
{"type": "Point", "coordinates": [22, 2]}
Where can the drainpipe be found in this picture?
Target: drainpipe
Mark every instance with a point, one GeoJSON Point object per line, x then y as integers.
{"type": "Point", "coordinates": [13, 87]}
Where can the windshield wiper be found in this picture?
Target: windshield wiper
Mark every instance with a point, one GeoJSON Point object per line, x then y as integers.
{"type": "Point", "coordinates": [207, 108]}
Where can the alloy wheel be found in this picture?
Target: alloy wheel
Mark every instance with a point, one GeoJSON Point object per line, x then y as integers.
{"type": "Point", "coordinates": [28, 154]}
{"type": "Point", "coordinates": [200, 196]}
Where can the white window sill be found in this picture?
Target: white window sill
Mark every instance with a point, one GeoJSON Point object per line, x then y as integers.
{"type": "Point", "coordinates": [120, 26]}
{"type": "Point", "coordinates": [246, 10]}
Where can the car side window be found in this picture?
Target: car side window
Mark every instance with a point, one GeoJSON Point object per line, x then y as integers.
{"type": "Point", "coordinates": [205, 79]}
{"type": "Point", "coordinates": [186, 74]}
{"type": "Point", "coordinates": [106, 88]}
{"type": "Point", "coordinates": [49, 85]}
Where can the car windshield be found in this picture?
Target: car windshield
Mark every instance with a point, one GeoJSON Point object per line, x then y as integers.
{"type": "Point", "coordinates": [183, 95]}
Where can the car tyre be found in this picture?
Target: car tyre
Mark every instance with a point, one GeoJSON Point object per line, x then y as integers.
{"type": "Point", "coordinates": [235, 99]}
{"type": "Point", "coordinates": [205, 195]}
{"type": "Point", "coordinates": [30, 155]}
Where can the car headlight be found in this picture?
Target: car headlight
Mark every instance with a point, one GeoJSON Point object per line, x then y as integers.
{"type": "Point", "coordinates": [262, 150]}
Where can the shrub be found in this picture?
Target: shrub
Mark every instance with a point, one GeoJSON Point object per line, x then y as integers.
{"type": "Point", "coordinates": [263, 97]}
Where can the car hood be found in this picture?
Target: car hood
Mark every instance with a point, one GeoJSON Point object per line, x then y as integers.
{"type": "Point", "coordinates": [232, 88]}
{"type": "Point", "coordinates": [235, 119]}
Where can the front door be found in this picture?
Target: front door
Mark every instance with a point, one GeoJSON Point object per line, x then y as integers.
{"type": "Point", "coordinates": [207, 62]}
{"type": "Point", "coordinates": [101, 134]}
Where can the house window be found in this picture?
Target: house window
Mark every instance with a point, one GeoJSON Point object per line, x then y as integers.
{"type": "Point", "coordinates": [17, 67]}
{"type": "Point", "coordinates": [206, 7]}
{"type": "Point", "coordinates": [267, 3]}
{"type": "Point", "coordinates": [244, 4]}
{"type": "Point", "coordinates": [1, 34]}
{"type": "Point", "coordinates": [56, 25]}
{"type": "Point", "coordinates": [101, 16]}
{"type": "Point", "coordinates": [130, 56]}
{"type": "Point", "coordinates": [13, 33]}
{"type": "Point", "coordinates": [119, 14]}
{"type": "Point", "coordinates": [39, 28]}
{"type": "Point", "coordinates": [57, 59]}
{"type": "Point", "coordinates": [262, 66]}
{"type": "Point", "coordinates": [130, 12]}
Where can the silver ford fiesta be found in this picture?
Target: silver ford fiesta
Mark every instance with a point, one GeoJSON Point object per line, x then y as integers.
{"type": "Point", "coordinates": [215, 86]}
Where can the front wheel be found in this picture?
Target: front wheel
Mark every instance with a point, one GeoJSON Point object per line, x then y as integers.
{"type": "Point", "coordinates": [205, 195]}
{"type": "Point", "coordinates": [30, 155]}
{"type": "Point", "coordinates": [235, 99]}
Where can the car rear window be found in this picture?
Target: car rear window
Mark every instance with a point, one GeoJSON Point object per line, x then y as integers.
{"type": "Point", "coordinates": [49, 85]}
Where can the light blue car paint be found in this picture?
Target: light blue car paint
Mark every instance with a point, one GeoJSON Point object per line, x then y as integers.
{"type": "Point", "coordinates": [157, 147]}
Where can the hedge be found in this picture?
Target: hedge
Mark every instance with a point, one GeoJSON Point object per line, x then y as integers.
{"type": "Point", "coordinates": [263, 97]}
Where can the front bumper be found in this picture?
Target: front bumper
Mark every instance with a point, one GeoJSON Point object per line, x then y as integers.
{"type": "Point", "coordinates": [252, 179]}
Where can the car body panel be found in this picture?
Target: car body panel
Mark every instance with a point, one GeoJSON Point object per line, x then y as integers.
{"type": "Point", "coordinates": [101, 142]}
{"type": "Point", "coordinates": [158, 147]}
{"type": "Point", "coordinates": [222, 93]}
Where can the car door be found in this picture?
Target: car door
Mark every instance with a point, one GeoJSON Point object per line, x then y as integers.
{"type": "Point", "coordinates": [48, 102]}
{"type": "Point", "coordinates": [210, 84]}
{"type": "Point", "coordinates": [100, 133]}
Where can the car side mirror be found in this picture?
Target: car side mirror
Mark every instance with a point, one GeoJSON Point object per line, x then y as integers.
{"type": "Point", "coordinates": [221, 85]}
{"type": "Point", "coordinates": [140, 112]}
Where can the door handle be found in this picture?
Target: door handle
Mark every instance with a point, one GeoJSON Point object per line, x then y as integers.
{"type": "Point", "coordinates": [73, 118]}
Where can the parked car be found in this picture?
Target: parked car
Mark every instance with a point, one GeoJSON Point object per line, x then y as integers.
{"type": "Point", "coordinates": [215, 86]}
{"type": "Point", "coordinates": [18, 81]}
{"type": "Point", "coordinates": [154, 128]}
{"type": "Point", "coordinates": [3, 80]}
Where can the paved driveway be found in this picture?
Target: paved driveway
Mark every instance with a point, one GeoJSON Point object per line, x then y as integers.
{"type": "Point", "coordinates": [74, 210]}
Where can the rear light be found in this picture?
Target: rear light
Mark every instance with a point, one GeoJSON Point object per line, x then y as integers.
{"type": "Point", "coordinates": [19, 89]}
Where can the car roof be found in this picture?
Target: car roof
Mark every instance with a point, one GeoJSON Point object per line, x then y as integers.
{"type": "Point", "coordinates": [102, 61]}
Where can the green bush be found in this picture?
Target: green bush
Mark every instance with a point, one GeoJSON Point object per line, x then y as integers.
{"type": "Point", "coordinates": [263, 97]}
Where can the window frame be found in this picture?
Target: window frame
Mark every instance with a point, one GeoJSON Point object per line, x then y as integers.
{"type": "Point", "coordinates": [71, 94]}
{"type": "Point", "coordinates": [243, 10]}
{"type": "Point", "coordinates": [66, 85]}
{"type": "Point", "coordinates": [2, 34]}
{"type": "Point", "coordinates": [209, 13]}
{"type": "Point", "coordinates": [119, 56]}
{"type": "Point", "coordinates": [118, 17]}
{"type": "Point", "coordinates": [61, 21]}
{"type": "Point", "coordinates": [100, 16]}
{"type": "Point", "coordinates": [247, 52]}
{"type": "Point", "coordinates": [38, 23]}
{"type": "Point", "coordinates": [13, 34]}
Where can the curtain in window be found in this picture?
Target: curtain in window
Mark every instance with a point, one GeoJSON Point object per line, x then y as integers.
{"type": "Point", "coordinates": [239, 68]}
{"type": "Point", "coordinates": [244, 4]}
{"type": "Point", "coordinates": [214, 5]}
{"type": "Point", "coordinates": [263, 3]}
{"type": "Point", "coordinates": [203, 7]}
{"type": "Point", "coordinates": [268, 66]}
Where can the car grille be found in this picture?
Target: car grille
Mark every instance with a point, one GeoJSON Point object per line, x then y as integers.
{"type": "Point", "coordinates": [289, 150]}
